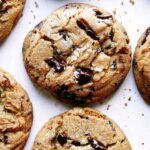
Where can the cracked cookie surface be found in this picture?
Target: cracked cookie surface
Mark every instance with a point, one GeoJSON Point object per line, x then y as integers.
{"type": "Point", "coordinates": [15, 113]}
{"type": "Point", "coordinates": [81, 129]}
{"type": "Point", "coordinates": [141, 65]}
{"type": "Point", "coordinates": [10, 12]}
{"type": "Point", "coordinates": [80, 53]}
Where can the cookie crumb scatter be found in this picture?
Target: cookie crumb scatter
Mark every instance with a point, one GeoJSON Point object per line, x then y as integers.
{"type": "Point", "coordinates": [36, 4]}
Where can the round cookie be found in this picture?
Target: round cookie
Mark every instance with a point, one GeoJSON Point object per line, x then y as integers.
{"type": "Point", "coordinates": [141, 65]}
{"type": "Point", "coordinates": [15, 113]}
{"type": "Point", "coordinates": [80, 53]}
{"type": "Point", "coordinates": [81, 129]}
{"type": "Point", "coordinates": [10, 12]}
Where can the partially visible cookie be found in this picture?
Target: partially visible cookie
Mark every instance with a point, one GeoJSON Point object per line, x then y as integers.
{"type": "Point", "coordinates": [80, 53]}
{"type": "Point", "coordinates": [81, 129]}
{"type": "Point", "coordinates": [15, 114]}
{"type": "Point", "coordinates": [10, 12]}
{"type": "Point", "coordinates": [141, 65]}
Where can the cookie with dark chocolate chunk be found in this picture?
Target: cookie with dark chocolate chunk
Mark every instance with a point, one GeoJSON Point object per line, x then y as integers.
{"type": "Point", "coordinates": [82, 57]}
{"type": "Point", "coordinates": [81, 129]}
{"type": "Point", "coordinates": [16, 114]}
{"type": "Point", "coordinates": [10, 12]}
{"type": "Point", "coordinates": [141, 65]}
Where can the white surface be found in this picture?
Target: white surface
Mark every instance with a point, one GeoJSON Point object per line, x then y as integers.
{"type": "Point", "coordinates": [130, 119]}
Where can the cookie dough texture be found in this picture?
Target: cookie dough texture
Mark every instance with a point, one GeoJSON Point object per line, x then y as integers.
{"type": "Point", "coordinates": [10, 12]}
{"type": "Point", "coordinates": [141, 65]}
{"type": "Point", "coordinates": [80, 53]}
{"type": "Point", "coordinates": [81, 129]}
{"type": "Point", "coordinates": [15, 113]}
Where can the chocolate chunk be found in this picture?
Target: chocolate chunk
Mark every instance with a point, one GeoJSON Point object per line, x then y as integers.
{"type": "Point", "coordinates": [5, 139]}
{"type": "Point", "coordinates": [89, 31]}
{"type": "Point", "coordinates": [39, 25]}
{"type": "Point", "coordinates": [96, 145]}
{"type": "Point", "coordinates": [111, 35]}
{"type": "Point", "coordinates": [108, 50]}
{"type": "Point", "coordinates": [64, 34]}
{"type": "Point", "coordinates": [134, 63]}
{"type": "Point", "coordinates": [101, 15]}
{"type": "Point", "coordinates": [127, 39]}
{"type": "Point", "coordinates": [113, 65]}
{"type": "Point", "coordinates": [46, 38]}
{"type": "Point", "coordinates": [61, 90]}
{"type": "Point", "coordinates": [98, 13]}
{"type": "Point", "coordinates": [105, 17]}
{"type": "Point", "coordinates": [83, 75]}
{"type": "Point", "coordinates": [61, 138]}
{"type": "Point", "coordinates": [64, 93]}
{"type": "Point", "coordinates": [76, 143]}
{"type": "Point", "coordinates": [57, 63]}
{"type": "Point", "coordinates": [3, 12]}
{"type": "Point", "coordinates": [145, 36]}
{"type": "Point", "coordinates": [74, 47]}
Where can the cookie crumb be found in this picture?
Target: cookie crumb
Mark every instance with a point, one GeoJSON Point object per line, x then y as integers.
{"type": "Point", "coordinates": [132, 2]}
{"type": "Point", "coordinates": [129, 99]}
{"type": "Point", "coordinates": [108, 107]}
{"type": "Point", "coordinates": [36, 4]}
{"type": "Point", "coordinates": [34, 17]}
{"type": "Point", "coordinates": [114, 11]}
{"type": "Point", "coordinates": [138, 30]}
{"type": "Point", "coordinates": [122, 3]}
{"type": "Point", "coordinates": [125, 12]}
{"type": "Point", "coordinates": [125, 104]}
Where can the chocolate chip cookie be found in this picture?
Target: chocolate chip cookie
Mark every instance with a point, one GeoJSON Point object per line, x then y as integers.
{"type": "Point", "coordinates": [80, 53]}
{"type": "Point", "coordinates": [10, 12]}
{"type": "Point", "coordinates": [15, 113]}
{"type": "Point", "coordinates": [141, 65]}
{"type": "Point", "coordinates": [81, 129]}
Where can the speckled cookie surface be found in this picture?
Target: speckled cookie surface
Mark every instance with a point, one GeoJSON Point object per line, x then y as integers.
{"type": "Point", "coordinates": [141, 65]}
{"type": "Point", "coordinates": [81, 129]}
{"type": "Point", "coordinates": [15, 113]}
{"type": "Point", "coordinates": [10, 12]}
{"type": "Point", "coordinates": [80, 53]}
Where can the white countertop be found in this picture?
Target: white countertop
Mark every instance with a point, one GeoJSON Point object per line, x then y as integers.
{"type": "Point", "coordinates": [132, 116]}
